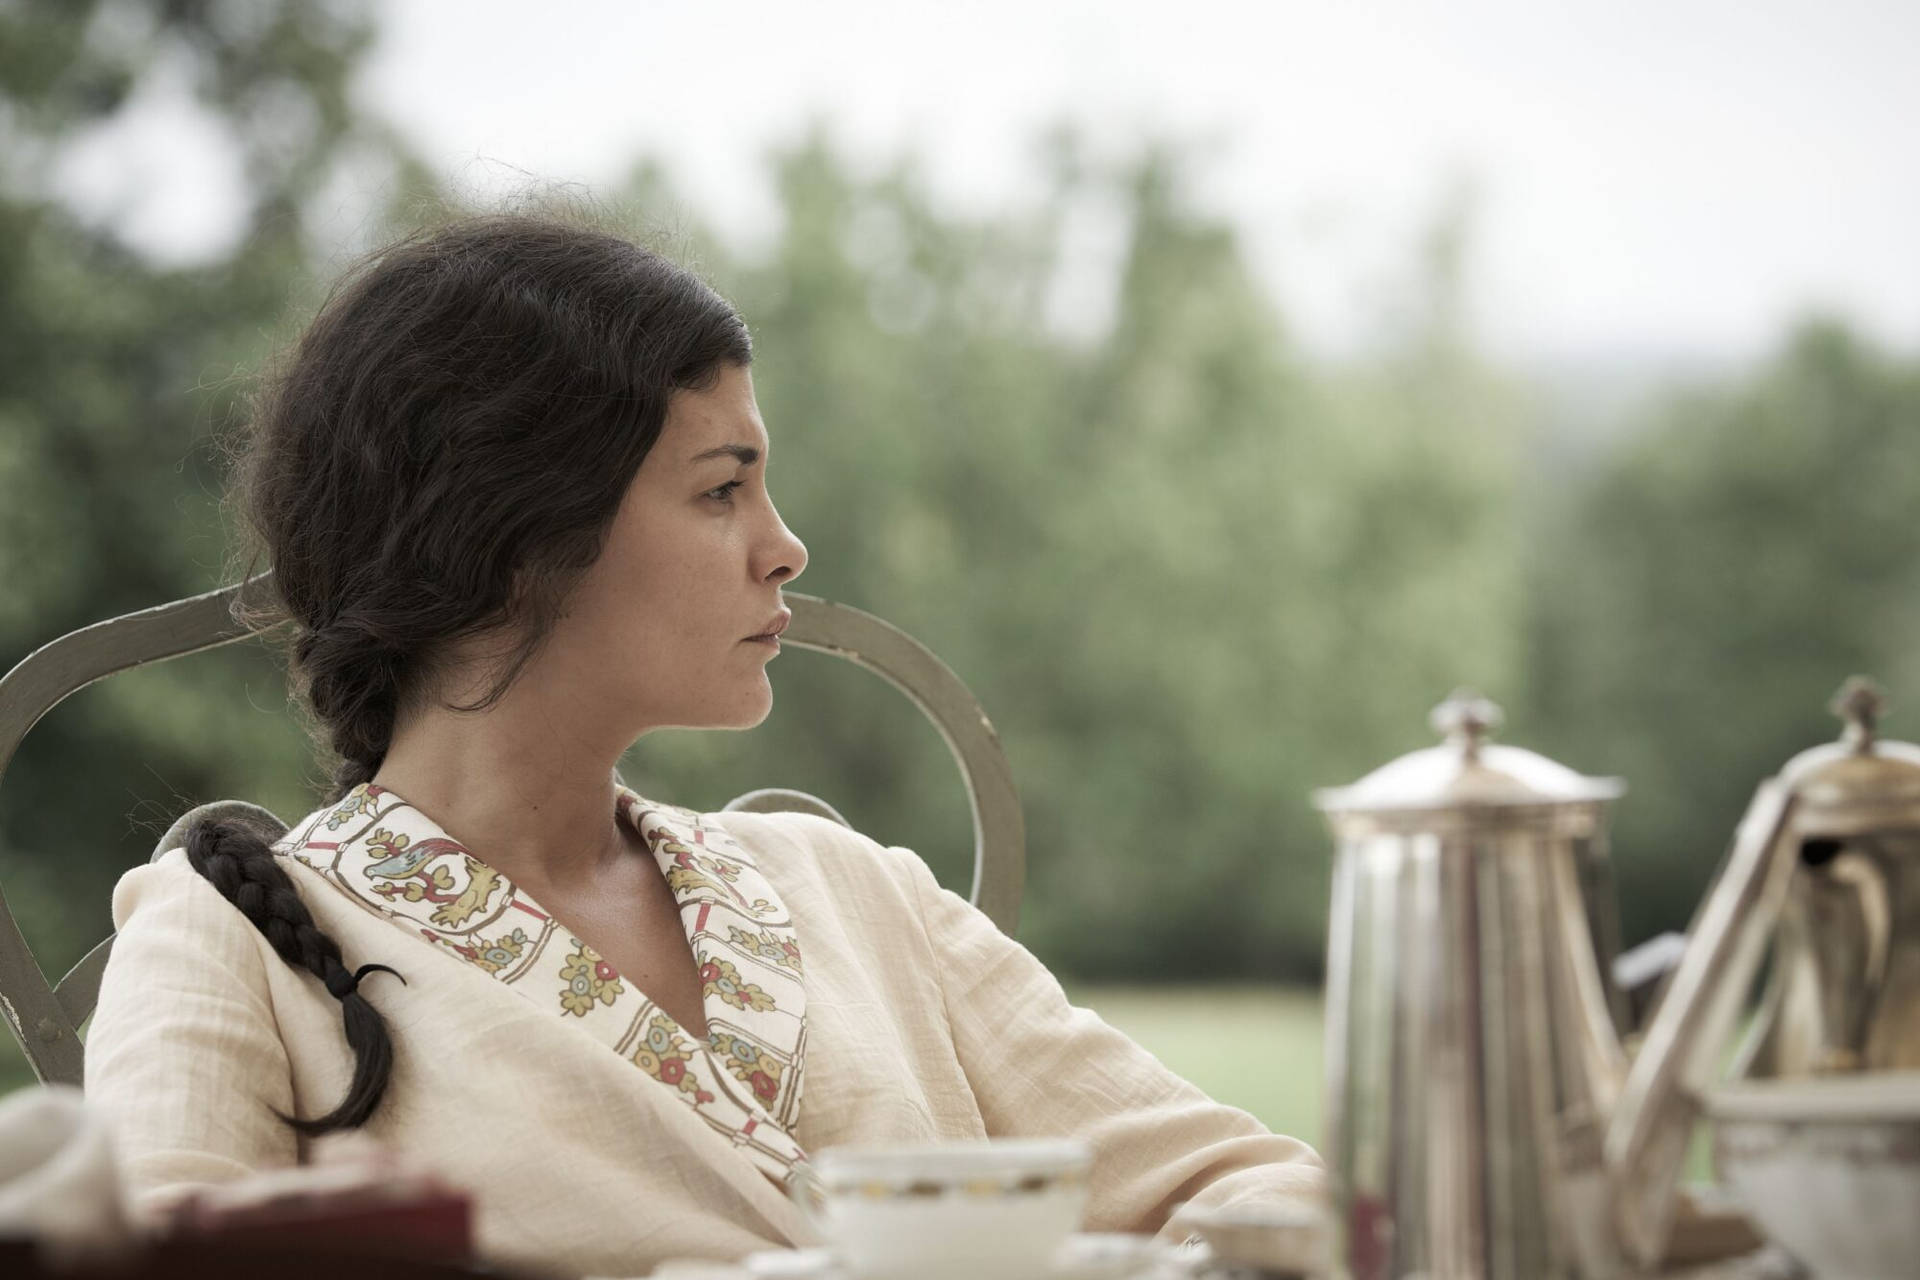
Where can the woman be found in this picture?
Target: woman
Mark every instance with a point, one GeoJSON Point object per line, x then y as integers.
{"type": "Point", "coordinates": [513, 485]}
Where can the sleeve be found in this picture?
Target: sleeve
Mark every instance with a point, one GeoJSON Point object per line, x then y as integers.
{"type": "Point", "coordinates": [184, 1060]}
{"type": "Point", "coordinates": [1042, 1067]}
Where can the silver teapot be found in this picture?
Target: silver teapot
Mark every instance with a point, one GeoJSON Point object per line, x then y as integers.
{"type": "Point", "coordinates": [1825, 866]}
{"type": "Point", "coordinates": [1485, 1118]}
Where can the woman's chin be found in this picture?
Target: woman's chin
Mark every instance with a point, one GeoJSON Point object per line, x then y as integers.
{"type": "Point", "coordinates": [753, 721]}
{"type": "Point", "coordinates": [740, 702]}
{"type": "Point", "coordinates": [752, 715]}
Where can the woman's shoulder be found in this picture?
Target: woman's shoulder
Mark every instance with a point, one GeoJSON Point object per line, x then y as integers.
{"type": "Point", "coordinates": [172, 930]}
{"type": "Point", "coordinates": [816, 846]}
{"type": "Point", "coordinates": [170, 886]}
{"type": "Point", "coordinates": [169, 896]}
{"type": "Point", "coordinates": [807, 835]}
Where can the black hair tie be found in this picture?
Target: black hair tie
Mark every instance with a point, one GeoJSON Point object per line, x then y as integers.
{"type": "Point", "coordinates": [341, 984]}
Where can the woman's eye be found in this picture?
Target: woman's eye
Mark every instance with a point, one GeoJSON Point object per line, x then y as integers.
{"type": "Point", "coordinates": [725, 492]}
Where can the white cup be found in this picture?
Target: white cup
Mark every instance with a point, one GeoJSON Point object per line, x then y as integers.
{"type": "Point", "coordinates": [999, 1208]}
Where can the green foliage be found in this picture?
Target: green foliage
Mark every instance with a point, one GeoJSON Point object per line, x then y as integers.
{"type": "Point", "coordinates": [113, 372]}
{"type": "Point", "coordinates": [1699, 601]}
{"type": "Point", "coordinates": [1191, 572]}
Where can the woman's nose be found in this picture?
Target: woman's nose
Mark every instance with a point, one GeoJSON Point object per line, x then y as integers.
{"type": "Point", "coordinates": [789, 555]}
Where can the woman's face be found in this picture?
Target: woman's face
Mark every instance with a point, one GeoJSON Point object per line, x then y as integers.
{"type": "Point", "coordinates": [693, 567]}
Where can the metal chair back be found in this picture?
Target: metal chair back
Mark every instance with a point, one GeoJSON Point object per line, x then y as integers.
{"type": "Point", "coordinates": [45, 1016]}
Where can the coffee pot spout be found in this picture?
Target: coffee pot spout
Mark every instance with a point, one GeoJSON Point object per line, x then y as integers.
{"type": "Point", "coordinates": [1824, 870]}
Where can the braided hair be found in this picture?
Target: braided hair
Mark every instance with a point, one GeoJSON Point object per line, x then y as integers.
{"type": "Point", "coordinates": [438, 459]}
{"type": "Point", "coordinates": [244, 869]}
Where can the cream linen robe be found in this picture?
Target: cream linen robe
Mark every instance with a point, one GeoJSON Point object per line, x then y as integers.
{"type": "Point", "coordinates": [922, 1022]}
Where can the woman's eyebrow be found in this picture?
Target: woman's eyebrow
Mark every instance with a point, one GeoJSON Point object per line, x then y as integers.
{"type": "Point", "coordinates": [746, 454]}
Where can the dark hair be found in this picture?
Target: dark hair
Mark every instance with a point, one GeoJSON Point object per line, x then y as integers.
{"type": "Point", "coordinates": [439, 457]}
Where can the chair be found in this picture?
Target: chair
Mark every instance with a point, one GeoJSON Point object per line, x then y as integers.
{"type": "Point", "coordinates": [45, 1018]}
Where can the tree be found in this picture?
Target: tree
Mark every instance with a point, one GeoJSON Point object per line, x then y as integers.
{"type": "Point", "coordinates": [1696, 606]}
{"type": "Point", "coordinates": [114, 370]}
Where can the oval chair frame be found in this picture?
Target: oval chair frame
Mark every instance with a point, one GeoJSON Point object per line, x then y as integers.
{"type": "Point", "coordinates": [45, 1017]}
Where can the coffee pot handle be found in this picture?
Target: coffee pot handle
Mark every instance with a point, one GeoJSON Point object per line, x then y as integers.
{"type": "Point", "coordinates": [1653, 1120]}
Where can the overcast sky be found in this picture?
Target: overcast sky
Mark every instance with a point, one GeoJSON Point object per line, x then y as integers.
{"type": "Point", "coordinates": [1652, 177]}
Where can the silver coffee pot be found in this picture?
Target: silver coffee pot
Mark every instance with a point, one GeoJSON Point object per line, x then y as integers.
{"type": "Point", "coordinates": [1484, 1118]}
{"type": "Point", "coordinates": [1471, 1047]}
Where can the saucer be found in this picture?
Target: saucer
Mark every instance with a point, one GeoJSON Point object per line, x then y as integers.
{"type": "Point", "coordinates": [1086, 1255]}
{"type": "Point", "coordinates": [794, 1264]}
{"type": "Point", "coordinates": [1292, 1240]}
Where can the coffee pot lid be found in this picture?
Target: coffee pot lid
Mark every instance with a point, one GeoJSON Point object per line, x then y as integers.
{"type": "Point", "coordinates": [1466, 772]}
{"type": "Point", "coordinates": [1862, 774]}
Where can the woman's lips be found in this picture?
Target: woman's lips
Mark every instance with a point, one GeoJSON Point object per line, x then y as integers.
{"type": "Point", "coordinates": [775, 627]}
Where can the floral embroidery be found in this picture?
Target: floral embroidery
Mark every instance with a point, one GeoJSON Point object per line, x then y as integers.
{"type": "Point", "coordinates": [403, 865]}
{"type": "Point", "coordinates": [481, 882]}
{"type": "Point", "coordinates": [358, 801]}
{"type": "Point", "coordinates": [394, 860]}
{"type": "Point", "coordinates": [664, 1056]}
{"type": "Point", "coordinates": [391, 848]}
{"type": "Point", "coordinates": [764, 944]}
{"type": "Point", "coordinates": [420, 884]}
{"type": "Point", "coordinates": [721, 867]}
{"type": "Point", "coordinates": [682, 878]}
{"type": "Point", "coordinates": [686, 880]}
{"type": "Point", "coordinates": [748, 1064]}
{"type": "Point", "coordinates": [498, 954]}
{"type": "Point", "coordinates": [720, 978]}
{"type": "Point", "coordinates": [588, 978]}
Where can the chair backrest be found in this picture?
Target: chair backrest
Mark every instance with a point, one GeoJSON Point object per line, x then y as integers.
{"type": "Point", "coordinates": [45, 1017]}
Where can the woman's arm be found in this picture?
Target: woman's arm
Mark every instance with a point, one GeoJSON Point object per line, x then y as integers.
{"type": "Point", "coordinates": [184, 1058]}
{"type": "Point", "coordinates": [1040, 1066]}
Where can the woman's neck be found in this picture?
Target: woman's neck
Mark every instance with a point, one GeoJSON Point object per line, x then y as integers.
{"type": "Point", "coordinates": [529, 791]}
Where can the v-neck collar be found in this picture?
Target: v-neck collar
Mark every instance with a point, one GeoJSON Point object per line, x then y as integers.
{"type": "Point", "coordinates": [744, 1079]}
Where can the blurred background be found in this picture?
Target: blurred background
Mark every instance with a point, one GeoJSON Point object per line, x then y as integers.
{"type": "Point", "coordinates": [1213, 386]}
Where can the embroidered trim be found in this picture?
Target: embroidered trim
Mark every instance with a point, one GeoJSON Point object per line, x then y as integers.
{"type": "Point", "coordinates": [744, 1079]}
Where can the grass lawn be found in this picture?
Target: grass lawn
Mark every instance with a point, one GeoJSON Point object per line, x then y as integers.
{"type": "Point", "coordinates": [1256, 1048]}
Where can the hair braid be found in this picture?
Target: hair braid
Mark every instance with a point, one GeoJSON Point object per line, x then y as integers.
{"type": "Point", "coordinates": [241, 865]}
{"type": "Point", "coordinates": [353, 685]}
